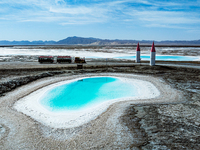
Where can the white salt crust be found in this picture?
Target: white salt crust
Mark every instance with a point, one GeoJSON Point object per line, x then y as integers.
{"type": "Point", "coordinates": [81, 53]}
{"type": "Point", "coordinates": [30, 105]}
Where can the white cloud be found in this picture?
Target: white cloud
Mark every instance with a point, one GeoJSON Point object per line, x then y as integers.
{"type": "Point", "coordinates": [166, 17]}
{"type": "Point", "coordinates": [72, 11]}
{"type": "Point", "coordinates": [63, 13]}
{"type": "Point", "coordinates": [154, 16]}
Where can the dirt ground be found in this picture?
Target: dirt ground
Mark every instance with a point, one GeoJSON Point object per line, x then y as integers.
{"type": "Point", "coordinates": [172, 121]}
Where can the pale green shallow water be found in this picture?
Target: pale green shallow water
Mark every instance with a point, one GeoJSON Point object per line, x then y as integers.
{"type": "Point", "coordinates": [85, 92]}
{"type": "Point", "coordinates": [164, 58]}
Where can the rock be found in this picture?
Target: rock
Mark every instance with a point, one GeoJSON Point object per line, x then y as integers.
{"type": "Point", "coordinates": [2, 131]}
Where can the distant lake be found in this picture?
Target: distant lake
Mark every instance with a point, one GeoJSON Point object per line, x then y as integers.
{"type": "Point", "coordinates": [162, 57]}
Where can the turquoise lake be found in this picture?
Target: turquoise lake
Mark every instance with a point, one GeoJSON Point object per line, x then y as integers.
{"type": "Point", "coordinates": [165, 58]}
{"type": "Point", "coordinates": [86, 92]}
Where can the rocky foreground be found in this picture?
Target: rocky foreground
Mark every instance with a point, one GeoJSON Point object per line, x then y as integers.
{"type": "Point", "coordinates": [170, 126]}
{"type": "Point", "coordinates": [157, 126]}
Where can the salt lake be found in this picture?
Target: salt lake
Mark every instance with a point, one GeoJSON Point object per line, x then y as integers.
{"type": "Point", "coordinates": [86, 93]}
{"type": "Point", "coordinates": [74, 102]}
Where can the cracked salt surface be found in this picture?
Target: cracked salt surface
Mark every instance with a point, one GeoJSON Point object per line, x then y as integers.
{"type": "Point", "coordinates": [31, 106]}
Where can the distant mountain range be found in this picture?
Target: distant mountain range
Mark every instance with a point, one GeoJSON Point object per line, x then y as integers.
{"type": "Point", "coordinates": [95, 41]}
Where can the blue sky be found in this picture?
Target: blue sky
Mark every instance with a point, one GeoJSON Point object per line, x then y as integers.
{"type": "Point", "coordinates": [106, 19]}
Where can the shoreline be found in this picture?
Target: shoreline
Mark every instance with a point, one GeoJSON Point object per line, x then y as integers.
{"type": "Point", "coordinates": [31, 106]}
